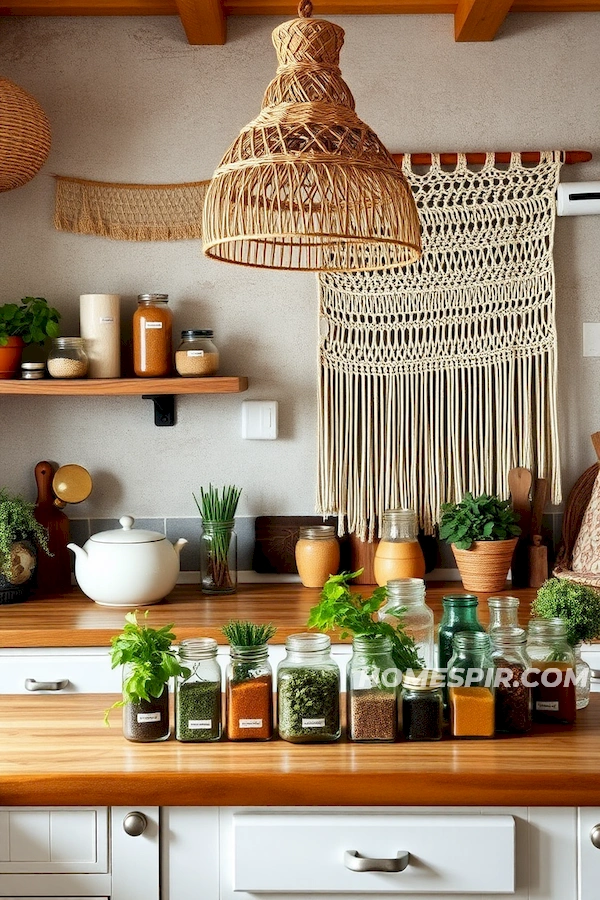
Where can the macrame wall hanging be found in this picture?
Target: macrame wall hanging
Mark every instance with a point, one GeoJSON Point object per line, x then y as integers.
{"type": "Point", "coordinates": [438, 378]}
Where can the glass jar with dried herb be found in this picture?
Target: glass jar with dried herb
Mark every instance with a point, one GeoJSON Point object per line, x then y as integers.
{"type": "Point", "coordinates": [372, 690]}
{"type": "Point", "coordinates": [513, 693]}
{"type": "Point", "coordinates": [308, 688]}
{"type": "Point", "coordinates": [198, 695]}
{"type": "Point", "coordinates": [422, 705]}
{"type": "Point", "coordinates": [249, 682]}
{"type": "Point", "coordinates": [553, 664]}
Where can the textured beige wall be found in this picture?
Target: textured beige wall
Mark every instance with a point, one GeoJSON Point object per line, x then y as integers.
{"type": "Point", "coordinates": [130, 100]}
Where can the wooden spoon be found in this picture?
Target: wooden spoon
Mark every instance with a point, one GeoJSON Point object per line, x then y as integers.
{"type": "Point", "coordinates": [519, 484]}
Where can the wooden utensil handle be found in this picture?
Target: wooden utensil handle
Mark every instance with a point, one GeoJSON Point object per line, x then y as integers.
{"type": "Point", "coordinates": [44, 473]}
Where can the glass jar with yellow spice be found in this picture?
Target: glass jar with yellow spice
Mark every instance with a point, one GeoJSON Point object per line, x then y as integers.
{"type": "Point", "coordinates": [398, 553]}
{"type": "Point", "coordinates": [317, 554]}
{"type": "Point", "coordinates": [152, 336]}
{"type": "Point", "coordinates": [470, 683]}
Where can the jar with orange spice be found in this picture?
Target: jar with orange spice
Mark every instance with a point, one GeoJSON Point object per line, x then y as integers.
{"type": "Point", "coordinates": [317, 554]}
{"type": "Point", "coordinates": [152, 336]}
{"type": "Point", "coordinates": [249, 694]}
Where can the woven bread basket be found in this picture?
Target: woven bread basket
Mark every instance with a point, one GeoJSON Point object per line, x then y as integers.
{"type": "Point", "coordinates": [24, 136]}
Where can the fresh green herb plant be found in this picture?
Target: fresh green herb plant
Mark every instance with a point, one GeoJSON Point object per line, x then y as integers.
{"type": "Point", "coordinates": [33, 320]}
{"type": "Point", "coordinates": [218, 512]}
{"type": "Point", "coordinates": [247, 634]}
{"type": "Point", "coordinates": [354, 615]}
{"type": "Point", "coordinates": [483, 518]}
{"type": "Point", "coordinates": [577, 604]}
{"type": "Point", "coordinates": [149, 658]}
{"type": "Point", "coordinates": [17, 523]}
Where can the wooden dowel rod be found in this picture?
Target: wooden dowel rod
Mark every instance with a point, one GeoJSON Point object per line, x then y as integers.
{"type": "Point", "coordinates": [570, 157]}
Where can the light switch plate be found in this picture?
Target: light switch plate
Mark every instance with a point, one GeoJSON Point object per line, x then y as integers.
{"type": "Point", "coordinates": [259, 420]}
{"type": "Point", "coordinates": [591, 338]}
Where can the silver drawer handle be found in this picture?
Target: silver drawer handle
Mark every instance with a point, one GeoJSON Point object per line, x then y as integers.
{"type": "Point", "coordinates": [595, 673]}
{"type": "Point", "coordinates": [32, 685]}
{"type": "Point", "coordinates": [357, 863]}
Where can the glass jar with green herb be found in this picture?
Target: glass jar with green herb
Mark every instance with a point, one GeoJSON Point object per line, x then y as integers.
{"type": "Point", "coordinates": [372, 690]}
{"type": "Point", "coordinates": [249, 682]}
{"type": "Point", "coordinates": [218, 543]}
{"type": "Point", "coordinates": [308, 688]}
{"type": "Point", "coordinates": [198, 696]}
{"type": "Point", "coordinates": [145, 720]}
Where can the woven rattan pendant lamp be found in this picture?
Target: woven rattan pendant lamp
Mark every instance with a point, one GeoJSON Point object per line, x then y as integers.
{"type": "Point", "coordinates": [307, 185]}
{"type": "Point", "coordinates": [24, 136]}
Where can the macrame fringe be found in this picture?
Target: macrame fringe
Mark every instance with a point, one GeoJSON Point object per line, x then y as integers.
{"type": "Point", "coordinates": [129, 212]}
{"type": "Point", "coordinates": [439, 378]}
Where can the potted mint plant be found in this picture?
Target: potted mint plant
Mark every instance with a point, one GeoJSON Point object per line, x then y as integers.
{"type": "Point", "coordinates": [20, 536]}
{"type": "Point", "coordinates": [30, 322]}
{"type": "Point", "coordinates": [483, 533]}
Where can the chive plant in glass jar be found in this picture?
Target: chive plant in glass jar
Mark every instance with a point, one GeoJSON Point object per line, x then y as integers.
{"type": "Point", "coordinates": [218, 543]}
{"type": "Point", "coordinates": [249, 682]}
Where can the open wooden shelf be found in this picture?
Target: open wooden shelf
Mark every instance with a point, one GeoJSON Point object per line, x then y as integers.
{"type": "Point", "coordinates": [218, 384]}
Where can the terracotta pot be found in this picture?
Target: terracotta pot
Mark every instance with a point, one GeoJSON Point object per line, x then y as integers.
{"type": "Point", "coordinates": [484, 567]}
{"type": "Point", "coordinates": [10, 357]}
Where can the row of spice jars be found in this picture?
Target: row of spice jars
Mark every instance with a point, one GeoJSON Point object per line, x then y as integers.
{"type": "Point", "coordinates": [196, 354]}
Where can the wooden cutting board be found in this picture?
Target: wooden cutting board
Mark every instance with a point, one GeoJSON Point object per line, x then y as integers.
{"type": "Point", "coordinates": [53, 572]}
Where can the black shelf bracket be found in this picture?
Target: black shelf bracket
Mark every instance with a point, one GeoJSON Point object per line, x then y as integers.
{"type": "Point", "coordinates": [164, 408]}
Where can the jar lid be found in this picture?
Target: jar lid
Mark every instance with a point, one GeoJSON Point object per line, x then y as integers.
{"type": "Point", "coordinates": [423, 680]}
{"type": "Point", "coordinates": [33, 366]}
{"type": "Point", "coordinates": [143, 297]}
{"type": "Point", "coordinates": [127, 534]}
{"type": "Point", "coordinates": [198, 333]}
{"type": "Point", "coordinates": [316, 532]}
{"type": "Point", "coordinates": [307, 642]}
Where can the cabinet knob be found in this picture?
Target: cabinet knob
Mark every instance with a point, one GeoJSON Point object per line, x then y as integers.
{"type": "Point", "coordinates": [357, 863]}
{"type": "Point", "coordinates": [134, 824]}
{"type": "Point", "coordinates": [595, 836]}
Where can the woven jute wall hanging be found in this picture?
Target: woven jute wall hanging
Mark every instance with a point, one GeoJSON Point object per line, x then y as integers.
{"type": "Point", "coordinates": [438, 378]}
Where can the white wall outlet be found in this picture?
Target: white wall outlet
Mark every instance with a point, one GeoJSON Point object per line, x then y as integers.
{"type": "Point", "coordinates": [591, 338]}
{"type": "Point", "coordinates": [259, 420]}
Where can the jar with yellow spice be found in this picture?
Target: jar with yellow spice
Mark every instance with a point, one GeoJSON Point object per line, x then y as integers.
{"type": "Point", "coordinates": [398, 553]}
{"type": "Point", "coordinates": [317, 554]}
{"type": "Point", "coordinates": [152, 336]}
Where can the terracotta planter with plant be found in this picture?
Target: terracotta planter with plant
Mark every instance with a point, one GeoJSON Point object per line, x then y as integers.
{"type": "Point", "coordinates": [31, 322]}
{"type": "Point", "coordinates": [483, 533]}
{"type": "Point", "coordinates": [20, 536]}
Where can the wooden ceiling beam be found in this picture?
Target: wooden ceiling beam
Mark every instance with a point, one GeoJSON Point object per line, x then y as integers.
{"type": "Point", "coordinates": [339, 7]}
{"type": "Point", "coordinates": [479, 20]}
{"type": "Point", "coordinates": [89, 8]}
{"type": "Point", "coordinates": [203, 21]}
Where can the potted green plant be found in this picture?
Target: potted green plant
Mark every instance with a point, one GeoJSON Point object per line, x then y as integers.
{"type": "Point", "coordinates": [20, 535]}
{"type": "Point", "coordinates": [30, 322]}
{"type": "Point", "coordinates": [148, 662]}
{"type": "Point", "coordinates": [483, 533]}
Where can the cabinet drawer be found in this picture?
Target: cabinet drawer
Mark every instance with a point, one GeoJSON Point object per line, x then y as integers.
{"type": "Point", "coordinates": [84, 670]}
{"type": "Point", "coordinates": [65, 840]}
{"type": "Point", "coordinates": [307, 853]}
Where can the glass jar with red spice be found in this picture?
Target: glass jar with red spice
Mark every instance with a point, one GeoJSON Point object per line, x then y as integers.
{"type": "Point", "coordinates": [249, 694]}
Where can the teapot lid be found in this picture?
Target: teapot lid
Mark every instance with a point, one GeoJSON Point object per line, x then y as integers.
{"type": "Point", "coordinates": [127, 534]}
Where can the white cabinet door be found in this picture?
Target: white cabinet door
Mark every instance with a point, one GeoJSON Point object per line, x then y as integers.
{"type": "Point", "coordinates": [589, 854]}
{"type": "Point", "coordinates": [135, 859]}
{"type": "Point", "coordinates": [68, 670]}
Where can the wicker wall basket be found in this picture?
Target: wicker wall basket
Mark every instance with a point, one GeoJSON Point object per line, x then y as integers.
{"type": "Point", "coordinates": [24, 136]}
{"type": "Point", "coordinates": [484, 567]}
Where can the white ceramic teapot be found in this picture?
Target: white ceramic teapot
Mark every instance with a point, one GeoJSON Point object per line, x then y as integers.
{"type": "Point", "coordinates": [127, 567]}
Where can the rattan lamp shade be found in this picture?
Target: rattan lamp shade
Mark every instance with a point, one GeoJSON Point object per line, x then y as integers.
{"type": "Point", "coordinates": [24, 136]}
{"type": "Point", "coordinates": [307, 185]}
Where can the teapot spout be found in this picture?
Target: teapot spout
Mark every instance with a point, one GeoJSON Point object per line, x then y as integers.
{"type": "Point", "coordinates": [80, 553]}
{"type": "Point", "coordinates": [180, 543]}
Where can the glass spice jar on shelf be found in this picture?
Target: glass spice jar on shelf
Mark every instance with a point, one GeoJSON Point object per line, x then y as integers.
{"type": "Point", "coordinates": [198, 696]}
{"type": "Point", "coordinates": [308, 690]}
{"type": "Point", "coordinates": [553, 665]}
{"type": "Point", "coordinates": [513, 693]}
{"type": "Point", "coordinates": [249, 694]}
{"type": "Point", "coordinates": [152, 336]}
{"type": "Point", "coordinates": [398, 553]}
{"type": "Point", "coordinates": [317, 554]}
{"type": "Point", "coordinates": [503, 610]}
{"type": "Point", "coordinates": [67, 358]}
{"type": "Point", "coordinates": [422, 705]}
{"type": "Point", "coordinates": [372, 690]}
{"type": "Point", "coordinates": [196, 355]}
{"type": "Point", "coordinates": [459, 614]}
{"type": "Point", "coordinates": [470, 683]}
{"type": "Point", "coordinates": [408, 595]}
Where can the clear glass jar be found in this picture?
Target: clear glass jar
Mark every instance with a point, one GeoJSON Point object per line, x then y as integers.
{"type": "Point", "coordinates": [553, 662]}
{"type": "Point", "coordinates": [459, 614]}
{"type": "Point", "coordinates": [218, 557]}
{"type": "Point", "coordinates": [152, 336]}
{"type": "Point", "coordinates": [249, 694]}
{"type": "Point", "coordinates": [584, 679]}
{"type": "Point", "coordinates": [148, 720]}
{"type": "Point", "coordinates": [317, 554]}
{"type": "Point", "coordinates": [67, 358]}
{"type": "Point", "coordinates": [408, 594]}
{"type": "Point", "coordinates": [470, 683]}
{"type": "Point", "coordinates": [308, 690]}
{"type": "Point", "coordinates": [422, 705]}
{"type": "Point", "coordinates": [198, 696]}
{"type": "Point", "coordinates": [197, 355]}
{"type": "Point", "coordinates": [398, 553]}
{"type": "Point", "coordinates": [504, 611]}
{"type": "Point", "coordinates": [513, 693]}
{"type": "Point", "coordinates": [372, 690]}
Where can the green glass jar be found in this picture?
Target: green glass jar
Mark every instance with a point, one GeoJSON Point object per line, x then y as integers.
{"type": "Point", "coordinates": [372, 690]}
{"type": "Point", "coordinates": [459, 614]}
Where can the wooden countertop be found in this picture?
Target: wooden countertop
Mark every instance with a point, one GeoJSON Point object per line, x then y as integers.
{"type": "Point", "coordinates": [73, 620]}
{"type": "Point", "coordinates": [57, 751]}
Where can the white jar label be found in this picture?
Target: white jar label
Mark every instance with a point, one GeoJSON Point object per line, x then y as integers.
{"type": "Point", "coordinates": [107, 320]}
{"type": "Point", "coordinates": [313, 723]}
{"type": "Point", "coordinates": [195, 352]}
{"type": "Point", "coordinates": [250, 723]}
{"type": "Point", "coordinates": [199, 724]}
{"type": "Point", "coordinates": [151, 325]}
{"type": "Point", "coordinates": [148, 717]}
{"type": "Point", "coordinates": [546, 705]}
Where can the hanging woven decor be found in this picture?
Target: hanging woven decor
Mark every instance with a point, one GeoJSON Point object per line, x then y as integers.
{"type": "Point", "coordinates": [307, 185]}
{"type": "Point", "coordinates": [24, 136]}
{"type": "Point", "coordinates": [438, 378]}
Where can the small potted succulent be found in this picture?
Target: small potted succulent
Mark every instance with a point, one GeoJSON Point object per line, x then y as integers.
{"type": "Point", "coordinates": [483, 533]}
{"type": "Point", "coordinates": [20, 536]}
{"type": "Point", "coordinates": [30, 322]}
